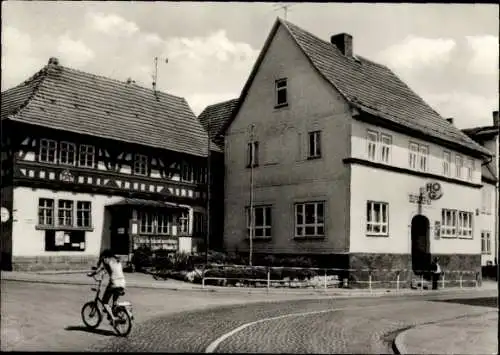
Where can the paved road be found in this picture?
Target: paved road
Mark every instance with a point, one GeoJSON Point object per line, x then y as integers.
{"type": "Point", "coordinates": [326, 325]}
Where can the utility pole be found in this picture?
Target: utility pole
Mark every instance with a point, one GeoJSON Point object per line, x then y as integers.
{"type": "Point", "coordinates": [207, 235]}
{"type": "Point", "coordinates": [252, 212]}
{"type": "Point", "coordinates": [155, 74]}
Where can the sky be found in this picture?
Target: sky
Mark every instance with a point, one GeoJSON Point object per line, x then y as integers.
{"type": "Point", "coordinates": [447, 53]}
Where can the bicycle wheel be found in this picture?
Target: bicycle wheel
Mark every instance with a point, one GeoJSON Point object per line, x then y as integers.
{"type": "Point", "coordinates": [91, 315]}
{"type": "Point", "coordinates": [123, 323]}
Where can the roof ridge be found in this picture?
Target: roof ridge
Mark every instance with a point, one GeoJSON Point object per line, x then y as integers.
{"type": "Point", "coordinates": [123, 83]}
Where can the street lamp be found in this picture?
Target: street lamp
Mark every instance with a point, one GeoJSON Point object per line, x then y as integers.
{"type": "Point", "coordinates": [252, 218]}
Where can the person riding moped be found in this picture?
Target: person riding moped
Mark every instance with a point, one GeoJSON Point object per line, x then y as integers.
{"type": "Point", "coordinates": [116, 286]}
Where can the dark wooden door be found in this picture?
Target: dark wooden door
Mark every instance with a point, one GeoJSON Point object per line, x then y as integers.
{"type": "Point", "coordinates": [420, 251]}
{"type": "Point", "coordinates": [120, 241]}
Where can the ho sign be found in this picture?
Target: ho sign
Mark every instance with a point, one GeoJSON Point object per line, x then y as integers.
{"type": "Point", "coordinates": [434, 190]}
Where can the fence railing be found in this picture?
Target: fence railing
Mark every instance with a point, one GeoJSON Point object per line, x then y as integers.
{"type": "Point", "coordinates": [325, 278]}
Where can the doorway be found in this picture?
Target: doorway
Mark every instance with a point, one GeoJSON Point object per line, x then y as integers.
{"type": "Point", "coordinates": [119, 231]}
{"type": "Point", "coordinates": [420, 244]}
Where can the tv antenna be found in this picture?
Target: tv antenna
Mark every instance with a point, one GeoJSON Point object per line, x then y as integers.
{"type": "Point", "coordinates": [155, 75]}
{"type": "Point", "coordinates": [283, 7]}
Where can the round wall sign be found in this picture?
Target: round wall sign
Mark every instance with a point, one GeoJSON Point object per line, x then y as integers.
{"type": "Point", "coordinates": [5, 214]}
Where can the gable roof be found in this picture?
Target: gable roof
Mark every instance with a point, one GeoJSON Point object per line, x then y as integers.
{"type": "Point", "coordinates": [215, 116]}
{"type": "Point", "coordinates": [370, 87]}
{"type": "Point", "coordinates": [487, 173]}
{"type": "Point", "coordinates": [482, 132]}
{"type": "Point", "coordinates": [66, 99]}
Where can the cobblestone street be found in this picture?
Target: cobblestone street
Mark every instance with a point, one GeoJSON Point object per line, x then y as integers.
{"type": "Point", "coordinates": [47, 317]}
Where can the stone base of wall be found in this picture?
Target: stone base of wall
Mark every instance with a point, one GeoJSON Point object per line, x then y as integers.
{"type": "Point", "coordinates": [39, 263]}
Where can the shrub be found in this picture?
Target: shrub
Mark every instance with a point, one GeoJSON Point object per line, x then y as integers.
{"type": "Point", "coordinates": [142, 258]}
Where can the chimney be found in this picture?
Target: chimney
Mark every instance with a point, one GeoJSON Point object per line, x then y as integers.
{"type": "Point", "coordinates": [343, 41]}
{"type": "Point", "coordinates": [450, 120]}
{"type": "Point", "coordinates": [53, 61]}
{"type": "Point", "coordinates": [495, 119]}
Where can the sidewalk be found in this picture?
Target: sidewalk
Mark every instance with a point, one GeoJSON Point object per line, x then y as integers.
{"type": "Point", "coordinates": [472, 335]}
{"type": "Point", "coordinates": [139, 280]}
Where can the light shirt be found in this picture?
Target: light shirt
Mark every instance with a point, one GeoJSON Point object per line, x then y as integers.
{"type": "Point", "coordinates": [115, 271]}
{"type": "Point", "coordinates": [438, 269]}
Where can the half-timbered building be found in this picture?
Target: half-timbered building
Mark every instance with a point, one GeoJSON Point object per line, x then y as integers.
{"type": "Point", "coordinates": [90, 162]}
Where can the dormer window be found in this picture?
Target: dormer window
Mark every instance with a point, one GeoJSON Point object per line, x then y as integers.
{"type": "Point", "coordinates": [281, 87]}
{"type": "Point", "coordinates": [140, 165]}
{"type": "Point", "coordinates": [48, 150]}
{"type": "Point", "coordinates": [67, 153]}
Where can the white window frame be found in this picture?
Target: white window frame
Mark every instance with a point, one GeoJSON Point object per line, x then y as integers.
{"type": "Point", "coordinates": [184, 223]}
{"type": "Point", "coordinates": [140, 165]}
{"type": "Point", "coordinates": [385, 148]}
{"type": "Point", "coordinates": [413, 155]}
{"type": "Point", "coordinates": [446, 163]}
{"type": "Point", "coordinates": [164, 223]}
{"type": "Point", "coordinates": [318, 224]}
{"type": "Point", "coordinates": [448, 223]}
{"type": "Point", "coordinates": [377, 226]}
{"type": "Point", "coordinates": [86, 158]}
{"type": "Point", "coordinates": [46, 212]}
{"type": "Point", "coordinates": [465, 226]}
{"type": "Point", "coordinates": [84, 214]}
{"type": "Point", "coordinates": [423, 157]}
{"type": "Point", "coordinates": [459, 166]}
{"type": "Point", "coordinates": [372, 145]}
{"type": "Point", "coordinates": [278, 87]}
{"type": "Point", "coordinates": [146, 222]}
{"type": "Point", "coordinates": [67, 153]}
{"type": "Point", "coordinates": [65, 213]}
{"type": "Point", "coordinates": [187, 172]}
{"type": "Point", "coordinates": [486, 242]}
{"type": "Point", "coordinates": [315, 144]}
{"type": "Point", "coordinates": [469, 167]}
{"type": "Point", "coordinates": [48, 148]}
{"type": "Point", "coordinates": [265, 229]}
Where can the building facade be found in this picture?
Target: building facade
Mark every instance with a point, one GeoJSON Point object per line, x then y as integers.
{"type": "Point", "coordinates": [90, 163]}
{"type": "Point", "coordinates": [331, 155]}
{"type": "Point", "coordinates": [488, 137]}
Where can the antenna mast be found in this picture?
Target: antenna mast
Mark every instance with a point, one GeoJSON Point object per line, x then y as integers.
{"type": "Point", "coordinates": [155, 75]}
{"type": "Point", "coordinates": [283, 7]}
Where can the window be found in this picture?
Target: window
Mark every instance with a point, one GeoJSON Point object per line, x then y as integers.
{"type": "Point", "coordinates": [67, 153]}
{"type": "Point", "coordinates": [199, 224]}
{"type": "Point", "coordinates": [146, 223]}
{"type": "Point", "coordinates": [48, 149]}
{"type": "Point", "coordinates": [253, 154]}
{"type": "Point", "coordinates": [448, 223]}
{"type": "Point", "coordinates": [446, 163]}
{"type": "Point", "coordinates": [184, 223]}
{"type": "Point", "coordinates": [486, 242]}
{"type": "Point", "coordinates": [45, 212]}
{"type": "Point", "coordinates": [458, 166]}
{"type": "Point", "coordinates": [87, 156]}
{"type": "Point", "coordinates": [187, 174]}
{"type": "Point", "coordinates": [456, 224]}
{"type": "Point", "coordinates": [469, 168]}
{"type": "Point", "coordinates": [200, 175]}
{"type": "Point", "coordinates": [140, 164]}
{"type": "Point", "coordinates": [485, 201]}
{"type": "Point", "coordinates": [281, 92]}
{"type": "Point", "coordinates": [314, 145]}
{"type": "Point", "coordinates": [386, 142]}
{"type": "Point", "coordinates": [372, 144]}
{"type": "Point", "coordinates": [65, 213]}
{"type": "Point", "coordinates": [464, 224]}
{"type": "Point", "coordinates": [423, 152]}
{"type": "Point", "coordinates": [164, 224]}
{"type": "Point", "coordinates": [377, 218]}
{"type": "Point", "coordinates": [262, 222]}
{"type": "Point", "coordinates": [413, 153]}
{"type": "Point", "coordinates": [73, 240]}
{"type": "Point", "coordinates": [83, 213]}
{"type": "Point", "coordinates": [310, 219]}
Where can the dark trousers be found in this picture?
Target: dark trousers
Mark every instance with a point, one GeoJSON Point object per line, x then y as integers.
{"type": "Point", "coordinates": [435, 279]}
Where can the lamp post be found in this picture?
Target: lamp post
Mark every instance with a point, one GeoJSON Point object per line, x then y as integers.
{"type": "Point", "coordinates": [252, 163]}
{"type": "Point", "coordinates": [207, 235]}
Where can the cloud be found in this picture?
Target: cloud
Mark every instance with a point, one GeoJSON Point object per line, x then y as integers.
{"type": "Point", "coordinates": [418, 52]}
{"type": "Point", "coordinates": [74, 52]}
{"type": "Point", "coordinates": [485, 57]}
{"type": "Point", "coordinates": [111, 24]}
{"type": "Point", "coordinates": [199, 101]}
{"type": "Point", "coordinates": [468, 109]}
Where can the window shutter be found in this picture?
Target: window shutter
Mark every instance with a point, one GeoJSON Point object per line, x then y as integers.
{"type": "Point", "coordinates": [300, 150]}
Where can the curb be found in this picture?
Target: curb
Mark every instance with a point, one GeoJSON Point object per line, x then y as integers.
{"type": "Point", "coordinates": [399, 342]}
{"type": "Point", "coordinates": [240, 290]}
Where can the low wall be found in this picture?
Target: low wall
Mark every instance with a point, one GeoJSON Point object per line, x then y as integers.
{"type": "Point", "coordinates": [39, 263]}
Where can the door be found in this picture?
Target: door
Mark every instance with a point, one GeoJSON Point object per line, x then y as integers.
{"type": "Point", "coordinates": [420, 248]}
{"type": "Point", "coordinates": [120, 241]}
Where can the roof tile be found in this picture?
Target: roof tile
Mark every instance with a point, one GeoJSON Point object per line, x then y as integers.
{"type": "Point", "coordinates": [214, 117]}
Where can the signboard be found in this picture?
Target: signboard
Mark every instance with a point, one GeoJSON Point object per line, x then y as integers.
{"type": "Point", "coordinates": [5, 214]}
{"type": "Point", "coordinates": [59, 238]}
{"type": "Point", "coordinates": [66, 176]}
{"type": "Point", "coordinates": [434, 190]}
{"type": "Point", "coordinates": [437, 229]}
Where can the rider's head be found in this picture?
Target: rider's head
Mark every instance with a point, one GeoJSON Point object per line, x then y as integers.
{"type": "Point", "coordinates": [107, 253]}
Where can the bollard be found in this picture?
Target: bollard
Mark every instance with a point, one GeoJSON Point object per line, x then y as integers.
{"type": "Point", "coordinates": [442, 281]}
{"type": "Point", "coordinates": [460, 279]}
{"type": "Point", "coordinates": [422, 282]}
{"type": "Point", "coordinates": [268, 279]}
{"type": "Point", "coordinates": [203, 281]}
{"type": "Point", "coordinates": [397, 281]}
{"type": "Point", "coordinates": [370, 281]}
{"type": "Point", "coordinates": [324, 281]}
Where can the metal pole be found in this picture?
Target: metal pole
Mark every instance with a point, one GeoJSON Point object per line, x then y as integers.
{"type": "Point", "coordinates": [252, 162]}
{"type": "Point", "coordinates": [207, 234]}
